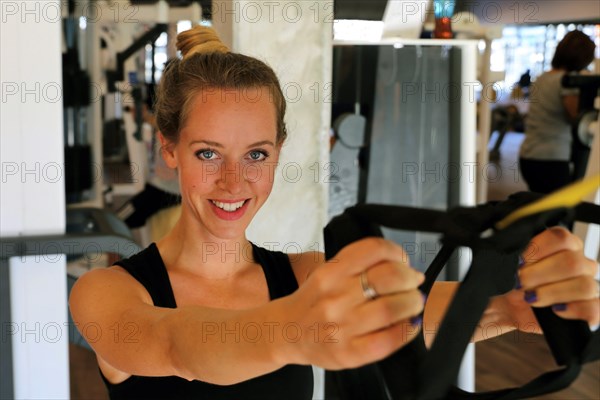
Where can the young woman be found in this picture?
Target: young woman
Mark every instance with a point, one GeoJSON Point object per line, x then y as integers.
{"type": "Point", "coordinates": [205, 313]}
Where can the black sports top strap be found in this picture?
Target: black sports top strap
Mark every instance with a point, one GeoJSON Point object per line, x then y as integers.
{"type": "Point", "coordinates": [148, 268]}
{"type": "Point", "coordinates": [278, 271]}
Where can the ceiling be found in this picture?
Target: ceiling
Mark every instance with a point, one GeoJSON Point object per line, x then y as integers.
{"type": "Point", "coordinates": [489, 11]}
{"type": "Point", "coordinates": [359, 9]}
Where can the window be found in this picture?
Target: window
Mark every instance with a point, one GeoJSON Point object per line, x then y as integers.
{"type": "Point", "coordinates": [160, 53]}
{"type": "Point", "coordinates": [523, 48]}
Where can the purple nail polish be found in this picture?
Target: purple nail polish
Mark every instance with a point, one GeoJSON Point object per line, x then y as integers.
{"type": "Point", "coordinates": [530, 296]}
{"type": "Point", "coordinates": [517, 282]}
{"type": "Point", "coordinates": [416, 320]}
{"type": "Point", "coordinates": [559, 307]}
{"type": "Point", "coordinates": [424, 297]}
{"type": "Point", "coordinates": [521, 261]}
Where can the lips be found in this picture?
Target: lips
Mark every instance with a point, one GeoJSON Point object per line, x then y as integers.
{"type": "Point", "coordinates": [229, 210]}
{"type": "Point", "coordinates": [228, 206]}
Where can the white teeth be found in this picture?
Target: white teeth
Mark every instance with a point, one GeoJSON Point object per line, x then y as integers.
{"type": "Point", "coordinates": [228, 206]}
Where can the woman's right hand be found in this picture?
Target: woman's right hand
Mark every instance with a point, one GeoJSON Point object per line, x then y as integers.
{"type": "Point", "coordinates": [341, 326]}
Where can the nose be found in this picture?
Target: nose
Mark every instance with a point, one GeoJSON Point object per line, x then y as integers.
{"type": "Point", "coordinates": [231, 178]}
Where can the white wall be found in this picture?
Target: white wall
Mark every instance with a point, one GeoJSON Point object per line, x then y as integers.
{"type": "Point", "coordinates": [32, 199]}
{"type": "Point", "coordinates": [31, 144]}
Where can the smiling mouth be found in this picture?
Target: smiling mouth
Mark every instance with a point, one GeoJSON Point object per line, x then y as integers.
{"type": "Point", "coordinates": [229, 207]}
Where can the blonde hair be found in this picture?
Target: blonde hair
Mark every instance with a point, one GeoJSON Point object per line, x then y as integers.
{"type": "Point", "coordinates": [200, 40]}
{"type": "Point", "coordinates": [208, 64]}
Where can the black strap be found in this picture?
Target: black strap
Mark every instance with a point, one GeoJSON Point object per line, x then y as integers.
{"type": "Point", "coordinates": [415, 373]}
{"type": "Point", "coordinates": [147, 267]}
{"type": "Point", "coordinates": [278, 271]}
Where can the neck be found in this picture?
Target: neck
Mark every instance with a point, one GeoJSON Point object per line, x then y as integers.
{"type": "Point", "coordinates": [189, 247]}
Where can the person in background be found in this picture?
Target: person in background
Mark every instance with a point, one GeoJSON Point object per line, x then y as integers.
{"type": "Point", "coordinates": [206, 313]}
{"type": "Point", "coordinates": [525, 82]}
{"type": "Point", "coordinates": [545, 154]}
{"type": "Point", "coordinates": [161, 190]}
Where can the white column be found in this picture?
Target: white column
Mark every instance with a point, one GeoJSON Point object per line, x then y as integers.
{"type": "Point", "coordinates": [295, 39]}
{"type": "Point", "coordinates": [468, 195]}
{"type": "Point", "coordinates": [590, 234]}
{"type": "Point", "coordinates": [32, 197]}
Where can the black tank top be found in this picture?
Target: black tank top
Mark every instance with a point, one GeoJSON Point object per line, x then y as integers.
{"type": "Point", "coordinates": [290, 382]}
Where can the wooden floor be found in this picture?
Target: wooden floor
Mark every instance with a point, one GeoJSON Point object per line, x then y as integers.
{"type": "Point", "coordinates": [514, 359]}
{"type": "Point", "coordinates": [86, 383]}
{"type": "Point", "coordinates": [507, 361]}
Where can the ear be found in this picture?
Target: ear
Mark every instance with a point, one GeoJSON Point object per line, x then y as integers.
{"type": "Point", "coordinates": [167, 151]}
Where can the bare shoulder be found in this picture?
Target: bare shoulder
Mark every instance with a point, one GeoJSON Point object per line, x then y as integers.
{"type": "Point", "coordinates": [124, 322]}
{"type": "Point", "coordinates": [304, 264]}
{"type": "Point", "coordinates": [101, 282]}
{"type": "Point", "coordinates": [99, 299]}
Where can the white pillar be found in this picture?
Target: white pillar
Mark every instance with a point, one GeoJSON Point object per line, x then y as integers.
{"type": "Point", "coordinates": [295, 39]}
{"type": "Point", "coordinates": [590, 234]}
{"type": "Point", "coordinates": [32, 198]}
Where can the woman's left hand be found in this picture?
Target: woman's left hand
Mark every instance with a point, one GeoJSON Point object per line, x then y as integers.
{"type": "Point", "coordinates": [555, 273]}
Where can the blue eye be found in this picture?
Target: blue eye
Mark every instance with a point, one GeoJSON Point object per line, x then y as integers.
{"type": "Point", "coordinates": [256, 155]}
{"type": "Point", "coordinates": [205, 154]}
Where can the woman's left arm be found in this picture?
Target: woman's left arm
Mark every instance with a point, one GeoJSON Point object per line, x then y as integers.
{"type": "Point", "coordinates": [555, 273]}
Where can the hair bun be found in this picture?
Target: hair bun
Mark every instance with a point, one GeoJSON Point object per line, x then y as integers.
{"type": "Point", "coordinates": [200, 39]}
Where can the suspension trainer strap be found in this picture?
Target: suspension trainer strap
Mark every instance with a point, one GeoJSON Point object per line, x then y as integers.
{"type": "Point", "coordinates": [414, 372]}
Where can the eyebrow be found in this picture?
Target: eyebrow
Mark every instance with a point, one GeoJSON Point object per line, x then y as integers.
{"type": "Point", "coordinates": [219, 145]}
{"type": "Point", "coordinates": [262, 143]}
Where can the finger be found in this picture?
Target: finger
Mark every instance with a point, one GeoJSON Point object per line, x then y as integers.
{"type": "Point", "coordinates": [385, 278]}
{"type": "Point", "coordinates": [587, 310]}
{"type": "Point", "coordinates": [378, 345]}
{"type": "Point", "coordinates": [576, 289]}
{"type": "Point", "coordinates": [392, 277]}
{"type": "Point", "coordinates": [362, 254]}
{"type": "Point", "coordinates": [384, 311]}
{"type": "Point", "coordinates": [557, 267]}
{"type": "Point", "coordinates": [550, 241]}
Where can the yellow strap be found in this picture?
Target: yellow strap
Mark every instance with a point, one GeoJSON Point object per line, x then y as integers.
{"type": "Point", "coordinates": [569, 196]}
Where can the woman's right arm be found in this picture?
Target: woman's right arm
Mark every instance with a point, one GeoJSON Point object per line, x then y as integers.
{"type": "Point", "coordinates": [571, 106]}
{"type": "Point", "coordinates": [116, 316]}
{"type": "Point", "coordinates": [327, 322]}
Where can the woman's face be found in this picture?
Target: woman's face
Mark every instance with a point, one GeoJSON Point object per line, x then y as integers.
{"type": "Point", "coordinates": [226, 157]}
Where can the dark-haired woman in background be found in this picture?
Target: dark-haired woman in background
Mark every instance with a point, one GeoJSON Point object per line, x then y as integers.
{"type": "Point", "coordinates": [545, 154]}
